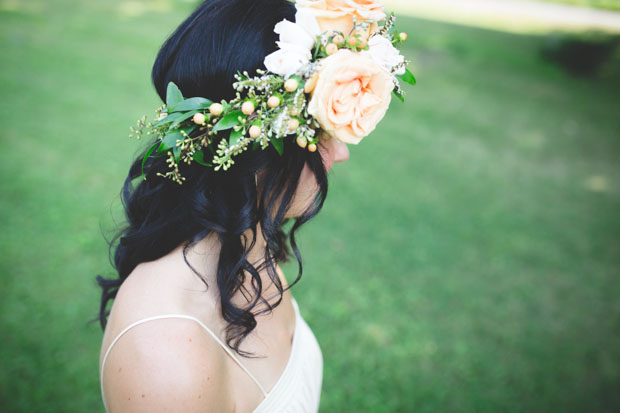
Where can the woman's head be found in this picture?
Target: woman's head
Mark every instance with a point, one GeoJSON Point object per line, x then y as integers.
{"type": "Point", "coordinates": [261, 190]}
{"type": "Point", "coordinates": [219, 39]}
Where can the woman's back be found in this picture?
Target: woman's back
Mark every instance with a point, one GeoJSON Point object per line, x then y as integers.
{"type": "Point", "coordinates": [175, 361]}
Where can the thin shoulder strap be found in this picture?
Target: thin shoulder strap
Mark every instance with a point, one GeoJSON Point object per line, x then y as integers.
{"type": "Point", "coordinates": [157, 317]}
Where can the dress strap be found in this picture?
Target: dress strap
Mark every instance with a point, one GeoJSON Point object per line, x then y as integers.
{"type": "Point", "coordinates": [158, 317]}
{"type": "Point", "coordinates": [189, 317]}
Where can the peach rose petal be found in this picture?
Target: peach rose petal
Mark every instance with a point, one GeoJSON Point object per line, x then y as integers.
{"type": "Point", "coordinates": [351, 96]}
{"type": "Point", "coordinates": [338, 15]}
{"type": "Point", "coordinates": [339, 22]}
{"type": "Point", "coordinates": [366, 9]}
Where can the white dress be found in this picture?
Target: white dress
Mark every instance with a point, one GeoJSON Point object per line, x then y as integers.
{"type": "Point", "coordinates": [298, 390]}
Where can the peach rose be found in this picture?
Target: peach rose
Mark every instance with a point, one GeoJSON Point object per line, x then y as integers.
{"type": "Point", "coordinates": [338, 15]}
{"type": "Point", "coordinates": [351, 96]}
{"type": "Point", "coordinates": [367, 9]}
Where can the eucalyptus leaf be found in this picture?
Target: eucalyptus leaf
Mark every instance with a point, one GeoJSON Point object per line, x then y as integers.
{"type": "Point", "coordinates": [189, 129]}
{"type": "Point", "coordinates": [228, 121]}
{"type": "Point", "coordinates": [146, 156]}
{"type": "Point", "coordinates": [235, 136]}
{"type": "Point", "coordinates": [170, 118]}
{"type": "Point", "coordinates": [183, 117]}
{"type": "Point", "coordinates": [177, 153]}
{"type": "Point", "coordinates": [200, 158]}
{"type": "Point", "coordinates": [169, 141]}
{"type": "Point", "coordinates": [191, 104]}
{"type": "Point", "coordinates": [408, 77]}
{"type": "Point", "coordinates": [399, 96]}
{"type": "Point", "coordinates": [278, 144]}
{"type": "Point", "coordinates": [173, 95]}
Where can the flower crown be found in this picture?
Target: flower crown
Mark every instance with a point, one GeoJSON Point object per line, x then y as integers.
{"type": "Point", "coordinates": [334, 72]}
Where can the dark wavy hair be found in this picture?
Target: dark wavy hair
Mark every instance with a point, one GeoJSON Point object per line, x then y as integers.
{"type": "Point", "coordinates": [220, 38]}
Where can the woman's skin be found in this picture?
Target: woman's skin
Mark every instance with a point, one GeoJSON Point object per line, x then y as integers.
{"type": "Point", "coordinates": [174, 364]}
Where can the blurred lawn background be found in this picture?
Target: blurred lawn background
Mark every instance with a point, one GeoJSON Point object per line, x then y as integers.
{"type": "Point", "coordinates": [467, 258]}
{"type": "Point", "coordinates": [602, 4]}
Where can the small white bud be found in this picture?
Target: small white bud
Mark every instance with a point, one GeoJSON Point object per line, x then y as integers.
{"type": "Point", "coordinates": [216, 109]}
{"type": "Point", "coordinates": [255, 132]}
{"type": "Point", "coordinates": [331, 48]}
{"type": "Point", "coordinates": [291, 85]}
{"type": "Point", "coordinates": [247, 108]}
{"type": "Point", "coordinates": [273, 102]}
{"type": "Point", "coordinates": [293, 124]}
{"type": "Point", "coordinates": [199, 119]}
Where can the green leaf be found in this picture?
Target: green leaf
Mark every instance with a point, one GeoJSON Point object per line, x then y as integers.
{"type": "Point", "coordinates": [228, 121]}
{"type": "Point", "coordinates": [191, 104]}
{"type": "Point", "coordinates": [278, 144]}
{"type": "Point", "coordinates": [399, 96]}
{"type": "Point", "coordinates": [408, 77]}
{"type": "Point", "coordinates": [200, 158]}
{"type": "Point", "coordinates": [169, 141]}
{"type": "Point", "coordinates": [173, 95]}
{"type": "Point", "coordinates": [170, 118]}
{"type": "Point", "coordinates": [146, 156]}
{"type": "Point", "coordinates": [177, 153]}
{"type": "Point", "coordinates": [183, 117]}
{"type": "Point", "coordinates": [235, 136]}
{"type": "Point", "coordinates": [212, 150]}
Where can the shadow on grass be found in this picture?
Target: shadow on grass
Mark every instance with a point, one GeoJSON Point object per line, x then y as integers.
{"type": "Point", "coordinates": [590, 54]}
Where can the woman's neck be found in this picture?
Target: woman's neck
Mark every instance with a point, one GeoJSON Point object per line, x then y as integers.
{"type": "Point", "coordinates": [204, 257]}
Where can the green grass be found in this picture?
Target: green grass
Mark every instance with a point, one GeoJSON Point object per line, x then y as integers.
{"type": "Point", "coordinates": [467, 258]}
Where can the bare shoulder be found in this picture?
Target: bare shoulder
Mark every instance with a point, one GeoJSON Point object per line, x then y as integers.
{"type": "Point", "coordinates": [166, 364]}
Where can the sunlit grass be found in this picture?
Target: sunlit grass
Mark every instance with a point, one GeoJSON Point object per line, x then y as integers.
{"type": "Point", "coordinates": [466, 259]}
{"type": "Point", "coordinates": [526, 17]}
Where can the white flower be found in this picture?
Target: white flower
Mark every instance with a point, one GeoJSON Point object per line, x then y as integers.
{"type": "Point", "coordinates": [288, 60]}
{"type": "Point", "coordinates": [308, 22]}
{"type": "Point", "coordinates": [296, 43]}
{"type": "Point", "coordinates": [384, 53]}
{"type": "Point", "coordinates": [293, 33]}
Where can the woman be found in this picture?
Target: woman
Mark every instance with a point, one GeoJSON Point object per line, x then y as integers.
{"type": "Point", "coordinates": [240, 344]}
